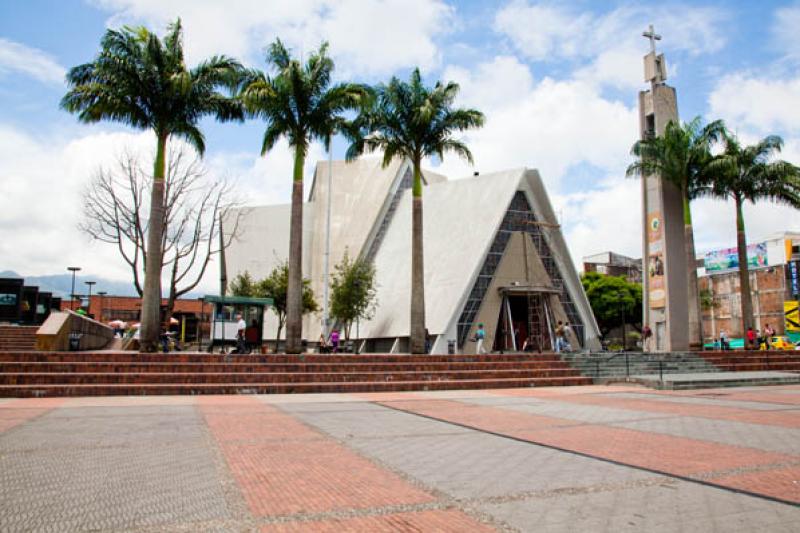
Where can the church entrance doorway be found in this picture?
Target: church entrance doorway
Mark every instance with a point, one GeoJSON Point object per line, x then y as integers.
{"type": "Point", "coordinates": [525, 323]}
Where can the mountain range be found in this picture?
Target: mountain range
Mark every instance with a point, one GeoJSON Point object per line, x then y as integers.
{"type": "Point", "coordinates": [61, 284]}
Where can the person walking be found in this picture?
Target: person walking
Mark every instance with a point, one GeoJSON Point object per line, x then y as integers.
{"type": "Point", "coordinates": [751, 338]}
{"type": "Point", "coordinates": [559, 337]}
{"type": "Point", "coordinates": [647, 334]}
{"type": "Point", "coordinates": [723, 340]}
{"type": "Point", "coordinates": [768, 334]}
{"type": "Point", "coordinates": [241, 330]}
{"type": "Point", "coordinates": [480, 334]}
{"type": "Point", "coordinates": [333, 340]}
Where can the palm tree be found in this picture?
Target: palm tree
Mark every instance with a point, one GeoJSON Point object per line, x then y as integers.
{"type": "Point", "coordinates": [301, 104]}
{"type": "Point", "coordinates": [751, 173]}
{"type": "Point", "coordinates": [140, 80]}
{"type": "Point", "coordinates": [681, 156]}
{"type": "Point", "coordinates": [409, 120]}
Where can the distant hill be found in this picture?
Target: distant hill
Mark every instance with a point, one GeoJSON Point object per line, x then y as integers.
{"type": "Point", "coordinates": [61, 284]}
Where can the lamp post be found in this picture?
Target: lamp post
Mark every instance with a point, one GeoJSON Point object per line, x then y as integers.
{"type": "Point", "coordinates": [622, 312]}
{"type": "Point", "coordinates": [72, 294]}
{"type": "Point", "coordinates": [89, 304]}
{"type": "Point", "coordinates": [102, 295]}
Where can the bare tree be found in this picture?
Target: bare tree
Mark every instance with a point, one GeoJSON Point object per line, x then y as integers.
{"type": "Point", "coordinates": [114, 211]}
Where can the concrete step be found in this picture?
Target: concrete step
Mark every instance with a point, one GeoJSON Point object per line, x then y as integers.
{"type": "Point", "coordinates": [278, 388]}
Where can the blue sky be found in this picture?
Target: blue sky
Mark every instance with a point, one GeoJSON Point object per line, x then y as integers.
{"type": "Point", "coordinates": [558, 83]}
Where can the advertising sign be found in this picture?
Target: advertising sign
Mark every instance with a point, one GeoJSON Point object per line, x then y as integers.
{"type": "Point", "coordinates": [8, 299]}
{"type": "Point", "coordinates": [791, 311]}
{"type": "Point", "coordinates": [655, 261]}
{"type": "Point", "coordinates": [793, 275]}
{"type": "Point", "coordinates": [727, 259]}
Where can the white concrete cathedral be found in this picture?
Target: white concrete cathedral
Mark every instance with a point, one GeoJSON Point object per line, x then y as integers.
{"type": "Point", "coordinates": [494, 254]}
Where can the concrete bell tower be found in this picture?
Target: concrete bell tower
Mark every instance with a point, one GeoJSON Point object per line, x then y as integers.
{"type": "Point", "coordinates": [665, 277]}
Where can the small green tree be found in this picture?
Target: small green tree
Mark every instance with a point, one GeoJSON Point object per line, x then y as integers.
{"type": "Point", "coordinates": [609, 297]}
{"type": "Point", "coordinates": [276, 286]}
{"type": "Point", "coordinates": [353, 292]}
{"type": "Point", "coordinates": [243, 285]}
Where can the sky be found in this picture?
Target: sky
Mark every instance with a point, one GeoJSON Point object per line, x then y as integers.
{"type": "Point", "coordinates": [557, 81]}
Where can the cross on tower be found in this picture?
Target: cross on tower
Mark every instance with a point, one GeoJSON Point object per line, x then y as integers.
{"type": "Point", "coordinates": [653, 36]}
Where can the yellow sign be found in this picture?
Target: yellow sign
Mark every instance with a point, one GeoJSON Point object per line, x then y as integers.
{"type": "Point", "coordinates": [791, 310]}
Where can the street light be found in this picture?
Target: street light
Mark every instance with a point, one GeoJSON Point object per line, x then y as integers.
{"type": "Point", "coordinates": [90, 284]}
{"type": "Point", "coordinates": [102, 295]}
{"type": "Point", "coordinates": [622, 311]}
{"type": "Point", "coordinates": [72, 294]}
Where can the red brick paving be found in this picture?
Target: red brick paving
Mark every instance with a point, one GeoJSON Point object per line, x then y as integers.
{"type": "Point", "coordinates": [440, 521]}
{"type": "Point", "coordinates": [16, 412]}
{"type": "Point", "coordinates": [664, 453]}
{"type": "Point", "coordinates": [782, 483]}
{"type": "Point", "coordinates": [283, 467]}
{"type": "Point", "coordinates": [720, 412]}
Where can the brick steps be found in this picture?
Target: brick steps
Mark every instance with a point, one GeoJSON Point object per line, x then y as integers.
{"type": "Point", "coordinates": [786, 361]}
{"type": "Point", "coordinates": [103, 367]}
{"type": "Point", "coordinates": [25, 391]}
{"type": "Point", "coordinates": [270, 377]}
{"type": "Point", "coordinates": [195, 357]}
{"type": "Point", "coordinates": [18, 337]}
{"type": "Point", "coordinates": [25, 374]}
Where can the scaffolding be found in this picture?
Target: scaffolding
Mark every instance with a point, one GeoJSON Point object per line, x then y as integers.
{"type": "Point", "coordinates": [519, 217]}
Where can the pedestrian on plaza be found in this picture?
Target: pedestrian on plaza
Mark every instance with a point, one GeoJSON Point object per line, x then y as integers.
{"type": "Point", "coordinates": [559, 337]}
{"type": "Point", "coordinates": [333, 340]}
{"type": "Point", "coordinates": [567, 347]}
{"type": "Point", "coordinates": [768, 334]}
{"type": "Point", "coordinates": [322, 344]}
{"type": "Point", "coordinates": [751, 338]}
{"type": "Point", "coordinates": [723, 340]}
{"type": "Point", "coordinates": [647, 334]}
{"type": "Point", "coordinates": [427, 341]}
{"type": "Point", "coordinates": [480, 334]}
{"type": "Point", "coordinates": [241, 330]}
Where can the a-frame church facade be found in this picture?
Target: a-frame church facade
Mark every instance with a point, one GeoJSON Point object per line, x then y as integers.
{"type": "Point", "coordinates": [494, 254]}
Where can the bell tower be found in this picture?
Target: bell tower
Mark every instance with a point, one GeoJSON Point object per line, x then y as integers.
{"type": "Point", "coordinates": [665, 277]}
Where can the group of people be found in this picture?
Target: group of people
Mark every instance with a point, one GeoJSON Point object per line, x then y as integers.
{"type": "Point", "coordinates": [757, 339]}
{"type": "Point", "coordinates": [331, 344]}
{"type": "Point", "coordinates": [561, 341]}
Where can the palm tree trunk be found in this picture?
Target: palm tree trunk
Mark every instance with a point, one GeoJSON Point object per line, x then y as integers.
{"type": "Point", "coordinates": [417, 333]}
{"type": "Point", "coordinates": [692, 294]}
{"type": "Point", "coordinates": [744, 272]}
{"type": "Point", "coordinates": [151, 298]}
{"type": "Point", "coordinates": [294, 289]}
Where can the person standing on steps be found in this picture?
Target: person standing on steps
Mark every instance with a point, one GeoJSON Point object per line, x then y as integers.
{"type": "Point", "coordinates": [334, 341]}
{"type": "Point", "coordinates": [560, 333]}
{"type": "Point", "coordinates": [480, 334]}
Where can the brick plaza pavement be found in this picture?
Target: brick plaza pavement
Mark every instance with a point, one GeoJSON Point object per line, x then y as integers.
{"type": "Point", "coordinates": [550, 459]}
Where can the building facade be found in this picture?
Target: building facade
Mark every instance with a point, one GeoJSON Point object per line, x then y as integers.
{"type": "Point", "coordinates": [494, 254]}
{"type": "Point", "coordinates": [773, 267]}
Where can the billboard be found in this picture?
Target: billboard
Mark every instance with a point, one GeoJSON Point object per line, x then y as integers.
{"type": "Point", "coordinates": [655, 262]}
{"type": "Point", "coordinates": [727, 259]}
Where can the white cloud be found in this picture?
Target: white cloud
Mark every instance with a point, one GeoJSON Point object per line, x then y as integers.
{"type": "Point", "coordinates": [403, 37]}
{"type": "Point", "coordinates": [551, 125]}
{"type": "Point", "coordinates": [43, 178]}
{"type": "Point", "coordinates": [786, 20]}
{"type": "Point", "coordinates": [608, 47]}
{"type": "Point", "coordinates": [761, 105]}
{"type": "Point", "coordinates": [18, 58]}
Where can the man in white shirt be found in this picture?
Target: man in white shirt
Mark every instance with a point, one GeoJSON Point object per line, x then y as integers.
{"type": "Point", "coordinates": [241, 326]}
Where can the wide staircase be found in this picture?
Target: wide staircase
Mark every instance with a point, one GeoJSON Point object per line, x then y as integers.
{"type": "Point", "coordinates": [605, 367]}
{"type": "Point", "coordinates": [17, 338]}
{"type": "Point", "coordinates": [755, 361]}
{"type": "Point", "coordinates": [38, 374]}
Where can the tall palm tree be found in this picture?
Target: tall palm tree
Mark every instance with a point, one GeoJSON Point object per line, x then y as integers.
{"type": "Point", "coordinates": [410, 120]}
{"type": "Point", "coordinates": [142, 81]}
{"type": "Point", "coordinates": [681, 156]}
{"type": "Point", "coordinates": [299, 103]}
{"type": "Point", "coordinates": [751, 173]}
